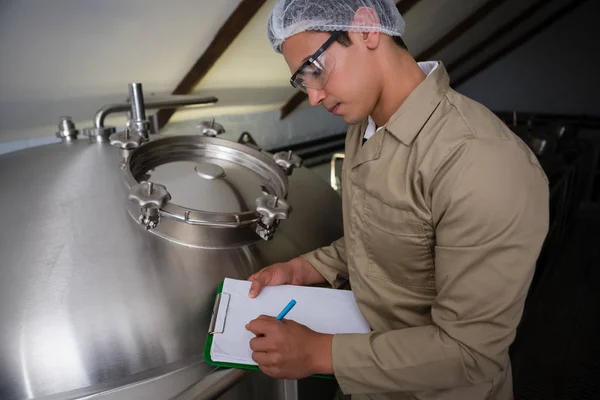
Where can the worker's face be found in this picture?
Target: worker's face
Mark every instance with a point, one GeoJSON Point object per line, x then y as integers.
{"type": "Point", "coordinates": [340, 79]}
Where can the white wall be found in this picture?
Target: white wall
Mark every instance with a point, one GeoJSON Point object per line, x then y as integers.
{"type": "Point", "coordinates": [555, 72]}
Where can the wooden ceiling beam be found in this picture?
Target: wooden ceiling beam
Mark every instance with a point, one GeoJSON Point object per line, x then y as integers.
{"type": "Point", "coordinates": [404, 5]}
{"type": "Point", "coordinates": [497, 34]}
{"type": "Point", "coordinates": [298, 98]}
{"type": "Point", "coordinates": [236, 22]}
{"type": "Point", "coordinates": [456, 32]}
{"type": "Point", "coordinates": [522, 39]}
{"type": "Point", "coordinates": [293, 103]}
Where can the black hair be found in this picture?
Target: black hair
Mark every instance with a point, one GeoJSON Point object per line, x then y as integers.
{"type": "Point", "coordinates": [344, 40]}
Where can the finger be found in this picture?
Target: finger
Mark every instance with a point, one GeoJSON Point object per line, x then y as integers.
{"type": "Point", "coordinates": [255, 288]}
{"type": "Point", "coordinates": [261, 343]}
{"type": "Point", "coordinates": [255, 275]}
{"type": "Point", "coordinates": [262, 358]}
{"type": "Point", "coordinates": [261, 279]}
{"type": "Point", "coordinates": [273, 372]}
{"type": "Point", "coordinates": [260, 327]}
{"type": "Point", "coordinates": [267, 358]}
{"type": "Point", "coordinates": [263, 317]}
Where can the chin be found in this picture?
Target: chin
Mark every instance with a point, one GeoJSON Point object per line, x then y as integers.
{"type": "Point", "coordinates": [351, 120]}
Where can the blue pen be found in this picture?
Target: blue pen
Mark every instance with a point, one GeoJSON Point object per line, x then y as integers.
{"type": "Point", "coordinates": [287, 308]}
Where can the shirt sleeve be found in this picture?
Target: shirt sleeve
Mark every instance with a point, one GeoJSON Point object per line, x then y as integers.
{"type": "Point", "coordinates": [331, 262]}
{"type": "Point", "coordinates": [490, 212]}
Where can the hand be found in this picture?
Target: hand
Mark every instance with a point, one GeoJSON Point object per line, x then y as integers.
{"type": "Point", "coordinates": [288, 350]}
{"type": "Point", "coordinates": [295, 272]}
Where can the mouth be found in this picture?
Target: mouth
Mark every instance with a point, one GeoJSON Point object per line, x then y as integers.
{"type": "Point", "coordinates": [334, 109]}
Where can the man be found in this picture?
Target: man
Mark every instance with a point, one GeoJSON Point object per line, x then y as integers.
{"type": "Point", "coordinates": [445, 212]}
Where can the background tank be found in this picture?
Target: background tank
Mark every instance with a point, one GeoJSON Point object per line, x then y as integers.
{"type": "Point", "coordinates": [108, 282]}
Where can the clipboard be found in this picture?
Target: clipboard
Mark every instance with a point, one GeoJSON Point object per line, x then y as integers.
{"type": "Point", "coordinates": [217, 326]}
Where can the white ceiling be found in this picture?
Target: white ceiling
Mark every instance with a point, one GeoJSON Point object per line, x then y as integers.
{"type": "Point", "coordinates": [74, 48]}
{"type": "Point", "coordinates": [70, 57]}
{"type": "Point", "coordinates": [256, 76]}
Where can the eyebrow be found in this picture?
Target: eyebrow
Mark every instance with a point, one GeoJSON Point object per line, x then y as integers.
{"type": "Point", "coordinates": [304, 60]}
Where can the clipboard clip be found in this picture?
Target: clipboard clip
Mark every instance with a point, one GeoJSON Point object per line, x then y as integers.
{"type": "Point", "coordinates": [217, 320]}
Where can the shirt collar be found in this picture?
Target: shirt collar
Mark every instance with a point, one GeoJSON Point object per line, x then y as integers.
{"type": "Point", "coordinates": [418, 105]}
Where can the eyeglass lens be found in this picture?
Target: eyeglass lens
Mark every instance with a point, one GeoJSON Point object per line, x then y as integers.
{"type": "Point", "coordinates": [315, 74]}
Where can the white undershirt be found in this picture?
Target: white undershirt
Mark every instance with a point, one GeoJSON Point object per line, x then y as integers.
{"type": "Point", "coordinates": [427, 67]}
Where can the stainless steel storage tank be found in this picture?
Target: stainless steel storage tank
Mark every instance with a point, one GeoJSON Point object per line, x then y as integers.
{"type": "Point", "coordinates": [111, 250]}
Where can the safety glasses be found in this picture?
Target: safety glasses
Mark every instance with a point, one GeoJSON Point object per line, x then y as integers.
{"type": "Point", "coordinates": [315, 71]}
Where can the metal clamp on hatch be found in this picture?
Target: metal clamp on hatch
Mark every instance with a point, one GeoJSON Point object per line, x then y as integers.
{"type": "Point", "coordinates": [150, 197]}
{"type": "Point", "coordinates": [272, 209]}
{"type": "Point", "coordinates": [210, 128]}
{"type": "Point", "coordinates": [287, 161]}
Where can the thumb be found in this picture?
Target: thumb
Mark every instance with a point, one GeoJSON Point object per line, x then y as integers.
{"type": "Point", "coordinates": [259, 280]}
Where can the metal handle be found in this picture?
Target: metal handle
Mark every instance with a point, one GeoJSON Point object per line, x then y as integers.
{"type": "Point", "coordinates": [287, 161]}
{"type": "Point", "coordinates": [150, 197]}
{"type": "Point", "coordinates": [168, 102]}
{"type": "Point", "coordinates": [333, 179]}
{"type": "Point", "coordinates": [272, 209]}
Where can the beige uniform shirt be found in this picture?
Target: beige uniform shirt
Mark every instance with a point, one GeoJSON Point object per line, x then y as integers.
{"type": "Point", "coordinates": [445, 212]}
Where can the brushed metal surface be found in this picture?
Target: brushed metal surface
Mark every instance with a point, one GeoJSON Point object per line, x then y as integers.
{"type": "Point", "coordinates": [91, 304]}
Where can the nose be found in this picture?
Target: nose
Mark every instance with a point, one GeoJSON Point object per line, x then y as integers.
{"type": "Point", "coordinates": [315, 96]}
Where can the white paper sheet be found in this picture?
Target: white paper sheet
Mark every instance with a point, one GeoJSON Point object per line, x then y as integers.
{"type": "Point", "coordinates": [322, 310]}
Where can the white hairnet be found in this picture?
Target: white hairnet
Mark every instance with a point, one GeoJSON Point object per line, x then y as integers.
{"type": "Point", "coordinates": [290, 17]}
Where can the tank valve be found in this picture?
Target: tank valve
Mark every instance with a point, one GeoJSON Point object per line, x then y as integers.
{"type": "Point", "coordinates": [66, 129]}
{"type": "Point", "coordinates": [151, 197]}
{"type": "Point", "coordinates": [125, 140]}
{"type": "Point", "coordinates": [210, 128]}
{"type": "Point", "coordinates": [287, 161]}
{"type": "Point", "coordinates": [138, 121]}
{"type": "Point", "coordinates": [272, 209]}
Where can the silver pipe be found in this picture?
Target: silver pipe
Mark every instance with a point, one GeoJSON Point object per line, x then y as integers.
{"type": "Point", "coordinates": [169, 102]}
{"type": "Point", "coordinates": [137, 102]}
{"type": "Point", "coordinates": [138, 113]}
{"type": "Point", "coordinates": [213, 385]}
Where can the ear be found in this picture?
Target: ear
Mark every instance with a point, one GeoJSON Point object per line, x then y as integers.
{"type": "Point", "coordinates": [366, 16]}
